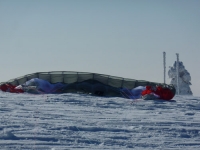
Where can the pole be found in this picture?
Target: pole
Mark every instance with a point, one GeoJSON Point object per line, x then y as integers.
{"type": "Point", "coordinates": [164, 65]}
{"type": "Point", "coordinates": [177, 72]}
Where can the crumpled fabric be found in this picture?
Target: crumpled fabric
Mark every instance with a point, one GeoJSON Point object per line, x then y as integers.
{"type": "Point", "coordinates": [163, 93]}
{"type": "Point", "coordinates": [10, 88]}
{"type": "Point", "coordinates": [41, 86]}
{"type": "Point", "coordinates": [134, 93]}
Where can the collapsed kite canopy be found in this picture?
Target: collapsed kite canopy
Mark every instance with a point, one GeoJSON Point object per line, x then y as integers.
{"type": "Point", "coordinates": [89, 83]}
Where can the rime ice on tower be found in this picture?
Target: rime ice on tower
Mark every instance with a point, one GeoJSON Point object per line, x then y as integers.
{"type": "Point", "coordinates": [184, 79]}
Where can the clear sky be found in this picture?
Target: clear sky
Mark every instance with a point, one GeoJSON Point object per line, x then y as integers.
{"type": "Point", "coordinates": [124, 38]}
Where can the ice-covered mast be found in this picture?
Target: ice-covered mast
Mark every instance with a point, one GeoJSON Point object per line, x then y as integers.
{"type": "Point", "coordinates": [177, 72]}
{"type": "Point", "coordinates": [180, 77]}
{"type": "Point", "coordinates": [164, 65]}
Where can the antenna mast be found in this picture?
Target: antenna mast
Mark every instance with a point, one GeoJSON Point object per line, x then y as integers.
{"type": "Point", "coordinates": [177, 72]}
{"type": "Point", "coordinates": [164, 64]}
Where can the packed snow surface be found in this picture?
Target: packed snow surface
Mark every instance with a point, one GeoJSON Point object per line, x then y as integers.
{"type": "Point", "coordinates": [77, 121]}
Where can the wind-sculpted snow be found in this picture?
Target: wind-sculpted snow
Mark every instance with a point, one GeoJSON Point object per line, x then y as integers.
{"type": "Point", "coordinates": [184, 78]}
{"type": "Point", "coordinates": [73, 121]}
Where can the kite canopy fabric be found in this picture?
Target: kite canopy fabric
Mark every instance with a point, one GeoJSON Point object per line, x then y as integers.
{"type": "Point", "coordinates": [98, 84]}
{"type": "Point", "coordinates": [68, 77]}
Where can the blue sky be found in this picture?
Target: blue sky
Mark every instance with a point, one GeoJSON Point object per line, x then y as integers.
{"type": "Point", "coordinates": [123, 38]}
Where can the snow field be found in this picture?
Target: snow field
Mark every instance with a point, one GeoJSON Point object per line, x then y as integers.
{"type": "Point", "coordinates": [75, 121]}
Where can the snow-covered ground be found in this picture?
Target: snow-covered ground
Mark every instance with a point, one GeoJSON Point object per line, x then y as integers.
{"type": "Point", "coordinates": [75, 121]}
